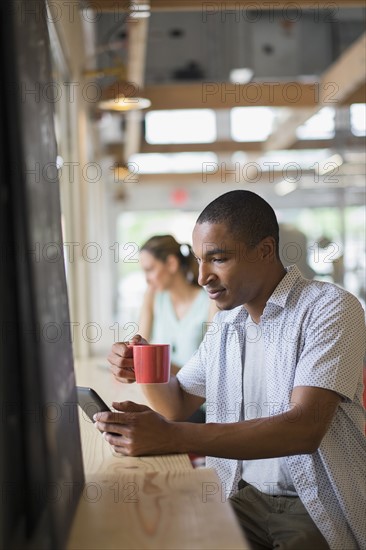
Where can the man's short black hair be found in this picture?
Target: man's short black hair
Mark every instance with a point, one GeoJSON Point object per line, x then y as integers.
{"type": "Point", "coordinates": [247, 216]}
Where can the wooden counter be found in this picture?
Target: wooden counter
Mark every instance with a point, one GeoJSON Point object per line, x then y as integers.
{"type": "Point", "coordinates": [153, 502]}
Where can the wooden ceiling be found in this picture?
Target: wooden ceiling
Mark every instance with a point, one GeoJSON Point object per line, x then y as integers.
{"type": "Point", "coordinates": [343, 83]}
{"type": "Point", "coordinates": [194, 5]}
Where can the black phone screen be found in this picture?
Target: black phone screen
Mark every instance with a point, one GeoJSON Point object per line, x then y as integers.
{"type": "Point", "coordinates": [90, 402]}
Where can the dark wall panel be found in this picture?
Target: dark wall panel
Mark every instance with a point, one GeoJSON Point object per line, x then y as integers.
{"type": "Point", "coordinates": [38, 384]}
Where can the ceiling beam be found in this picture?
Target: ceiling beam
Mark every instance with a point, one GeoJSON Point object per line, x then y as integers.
{"type": "Point", "coordinates": [215, 147]}
{"type": "Point", "coordinates": [228, 147]}
{"type": "Point", "coordinates": [346, 75]}
{"type": "Point", "coordinates": [344, 78]}
{"type": "Point", "coordinates": [246, 175]}
{"type": "Point", "coordinates": [220, 173]}
{"type": "Point", "coordinates": [359, 96]}
{"type": "Point", "coordinates": [227, 95]}
{"type": "Point", "coordinates": [216, 6]}
{"type": "Point", "coordinates": [252, 147]}
{"type": "Point", "coordinates": [136, 58]}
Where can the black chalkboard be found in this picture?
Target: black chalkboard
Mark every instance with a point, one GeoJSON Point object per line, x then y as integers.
{"type": "Point", "coordinates": [41, 471]}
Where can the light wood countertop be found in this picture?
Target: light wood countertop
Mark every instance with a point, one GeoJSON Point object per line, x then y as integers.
{"type": "Point", "coordinates": [151, 502]}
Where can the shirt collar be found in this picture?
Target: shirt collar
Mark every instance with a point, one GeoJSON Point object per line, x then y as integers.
{"type": "Point", "coordinates": [285, 286]}
{"type": "Point", "coordinates": [236, 315]}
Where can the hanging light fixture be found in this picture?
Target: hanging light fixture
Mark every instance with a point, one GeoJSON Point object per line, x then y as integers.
{"type": "Point", "coordinates": [123, 103]}
{"type": "Point", "coordinates": [122, 96]}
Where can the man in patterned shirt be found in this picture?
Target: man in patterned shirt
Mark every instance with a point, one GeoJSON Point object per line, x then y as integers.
{"type": "Point", "coordinates": [280, 369]}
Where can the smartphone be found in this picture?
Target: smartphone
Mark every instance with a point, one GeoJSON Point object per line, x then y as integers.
{"type": "Point", "coordinates": [90, 401]}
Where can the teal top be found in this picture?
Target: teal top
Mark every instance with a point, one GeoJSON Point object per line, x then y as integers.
{"type": "Point", "coordinates": [184, 335]}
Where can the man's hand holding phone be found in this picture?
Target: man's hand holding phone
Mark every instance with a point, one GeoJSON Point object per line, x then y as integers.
{"type": "Point", "coordinates": [136, 430]}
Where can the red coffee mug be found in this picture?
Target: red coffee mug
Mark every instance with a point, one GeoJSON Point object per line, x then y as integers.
{"type": "Point", "coordinates": [151, 363]}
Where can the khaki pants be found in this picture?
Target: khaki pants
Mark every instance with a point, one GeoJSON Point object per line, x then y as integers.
{"type": "Point", "coordinates": [275, 521]}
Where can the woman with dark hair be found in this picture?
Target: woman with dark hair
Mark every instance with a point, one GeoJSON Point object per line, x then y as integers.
{"type": "Point", "coordinates": [175, 309]}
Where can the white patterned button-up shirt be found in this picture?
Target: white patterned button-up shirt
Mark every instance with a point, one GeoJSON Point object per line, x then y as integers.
{"type": "Point", "coordinates": [314, 335]}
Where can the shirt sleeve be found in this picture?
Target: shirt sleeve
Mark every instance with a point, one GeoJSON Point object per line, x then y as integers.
{"type": "Point", "coordinates": [334, 346]}
{"type": "Point", "coordinates": [192, 376]}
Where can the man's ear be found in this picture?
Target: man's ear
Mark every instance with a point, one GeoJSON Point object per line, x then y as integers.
{"type": "Point", "coordinates": [172, 263]}
{"type": "Point", "coordinates": [268, 249]}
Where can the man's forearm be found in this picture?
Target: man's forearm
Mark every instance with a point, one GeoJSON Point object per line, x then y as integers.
{"type": "Point", "coordinates": [298, 430]}
{"type": "Point", "coordinates": [165, 399]}
{"type": "Point", "coordinates": [246, 440]}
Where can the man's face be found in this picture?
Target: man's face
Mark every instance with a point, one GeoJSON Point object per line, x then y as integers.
{"type": "Point", "coordinates": [231, 273]}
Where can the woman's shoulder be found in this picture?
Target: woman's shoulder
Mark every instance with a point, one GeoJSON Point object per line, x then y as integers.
{"type": "Point", "coordinates": [201, 302]}
{"type": "Point", "coordinates": [161, 297]}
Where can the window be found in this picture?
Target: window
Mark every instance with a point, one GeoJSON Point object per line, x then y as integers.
{"type": "Point", "coordinates": [180, 126]}
{"type": "Point", "coordinates": [133, 229]}
{"type": "Point", "coordinates": [358, 119]}
{"type": "Point", "coordinates": [335, 244]}
{"type": "Point", "coordinates": [251, 123]}
{"type": "Point", "coordinates": [171, 163]}
{"type": "Point", "coordinates": [319, 126]}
